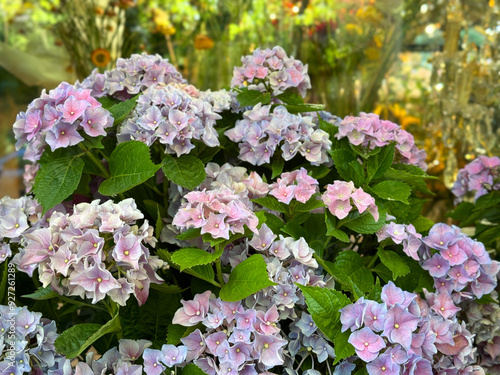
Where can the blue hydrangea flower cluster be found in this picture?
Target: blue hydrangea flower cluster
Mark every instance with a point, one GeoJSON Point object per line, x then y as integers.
{"type": "Point", "coordinates": [58, 118]}
{"type": "Point", "coordinates": [370, 132]}
{"type": "Point", "coordinates": [17, 217]}
{"type": "Point", "coordinates": [27, 344]}
{"type": "Point", "coordinates": [271, 70]}
{"type": "Point", "coordinates": [418, 335]}
{"type": "Point", "coordinates": [481, 176]}
{"type": "Point", "coordinates": [261, 131]}
{"type": "Point", "coordinates": [132, 76]}
{"type": "Point", "coordinates": [96, 251]}
{"type": "Point", "coordinates": [173, 117]}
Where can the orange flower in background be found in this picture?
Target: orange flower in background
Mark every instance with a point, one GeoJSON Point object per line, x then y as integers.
{"type": "Point", "coordinates": [203, 42]}
{"type": "Point", "coordinates": [100, 57]}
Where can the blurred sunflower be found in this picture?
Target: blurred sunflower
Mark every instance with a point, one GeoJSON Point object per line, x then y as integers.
{"type": "Point", "coordinates": [100, 57]}
{"type": "Point", "coordinates": [203, 42]}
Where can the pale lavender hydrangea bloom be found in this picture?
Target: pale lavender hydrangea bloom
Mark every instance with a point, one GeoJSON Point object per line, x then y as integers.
{"type": "Point", "coordinates": [261, 132]}
{"type": "Point", "coordinates": [369, 131]}
{"type": "Point", "coordinates": [171, 116]}
{"type": "Point", "coordinates": [339, 196]}
{"type": "Point", "coordinates": [274, 68]}
{"type": "Point", "coordinates": [131, 76]}
{"type": "Point", "coordinates": [479, 175]}
{"type": "Point", "coordinates": [70, 253]}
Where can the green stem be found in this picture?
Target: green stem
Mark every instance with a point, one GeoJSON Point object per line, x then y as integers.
{"type": "Point", "coordinates": [96, 161]}
{"type": "Point", "coordinates": [219, 268]}
{"type": "Point", "coordinates": [156, 190]}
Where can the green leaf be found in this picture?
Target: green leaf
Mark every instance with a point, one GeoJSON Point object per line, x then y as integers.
{"type": "Point", "coordinates": [310, 205]}
{"type": "Point", "coordinates": [277, 167]}
{"type": "Point", "coordinates": [365, 223]}
{"type": "Point", "coordinates": [56, 180]}
{"type": "Point", "coordinates": [301, 108]}
{"type": "Point", "coordinates": [247, 278]}
{"type": "Point", "coordinates": [290, 98]}
{"type": "Point", "coordinates": [331, 222]}
{"type": "Point", "coordinates": [192, 369]}
{"type": "Point", "coordinates": [318, 172]}
{"type": "Point", "coordinates": [250, 98]}
{"type": "Point", "coordinates": [167, 289]}
{"type": "Point", "coordinates": [92, 142]}
{"type": "Point", "coordinates": [324, 304]}
{"type": "Point", "coordinates": [190, 257]}
{"type": "Point", "coordinates": [203, 272]}
{"type": "Point", "coordinates": [357, 173]}
{"type": "Point", "coordinates": [343, 348]}
{"type": "Point", "coordinates": [489, 235]}
{"type": "Point", "coordinates": [378, 164]}
{"type": "Point", "coordinates": [273, 222]}
{"type": "Point", "coordinates": [121, 110]}
{"type": "Point", "coordinates": [73, 341]}
{"type": "Point", "coordinates": [189, 234]}
{"type": "Point", "coordinates": [3, 284]}
{"type": "Point", "coordinates": [185, 170]}
{"type": "Point", "coordinates": [376, 292]}
{"type": "Point", "coordinates": [416, 279]}
{"type": "Point", "coordinates": [394, 262]}
{"type": "Point", "coordinates": [207, 237]}
{"type": "Point", "coordinates": [130, 165]}
{"type": "Point", "coordinates": [271, 203]}
{"type": "Point", "coordinates": [342, 158]}
{"type": "Point", "coordinates": [462, 211]}
{"type": "Point", "coordinates": [349, 267]}
{"type": "Point", "coordinates": [42, 294]}
{"type": "Point", "coordinates": [175, 333]}
{"type": "Point", "coordinates": [107, 101]}
{"type": "Point", "coordinates": [487, 201]}
{"type": "Point", "coordinates": [393, 191]}
{"type": "Point", "coordinates": [295, 230]}
{"type": "Point", "coordinates": [329, 128]}
{"type": "Point", "coordinates": [422, 224]}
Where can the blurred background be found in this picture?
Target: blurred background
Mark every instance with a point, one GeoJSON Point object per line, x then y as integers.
{"type": "Point", "coordinates": [432, 66]}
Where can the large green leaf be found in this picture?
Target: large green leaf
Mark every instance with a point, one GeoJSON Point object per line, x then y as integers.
{"type": "Point", "coordinates": [394, 262]}
{"type": "Point", "coordinates": [343, 348]}
{"type": "Point", "coordinates": [185, 170]}
{"type": "Point", "coordinates": [192, 369]}
{"type": "Point", "coordinates": [246, 278]}
{"type": "Point", "coordinates": [487, 201]}
{"type": "Point", "coordinates": [271, 203]}
{"type": "Point", "coordinates": [342, 159]}
{"type": "Point", "coordinates": [190, 257]}
{"type": "Point", "coordinates": [349, 267]}
{"type": "Point", "coordinates": [57, 179]}
{"type": "Point", "coordinates": [121, 110]}
{"type": "Point", "coordinates": [365, 223]}
{"type": "Point", "coordinates": [248, 98]}
{"type": "Point", "coordinates": [324, 304]}
{"type": "Point", "coordinates": [378, 164]}
{"type": "Point", "coordinates": [73, 341]}
{"type": "Point", "coordinates": [130, 165]}
{"type": "Point", "coordinates": [393, 190]}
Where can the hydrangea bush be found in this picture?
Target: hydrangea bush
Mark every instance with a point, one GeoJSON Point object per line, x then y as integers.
{"type": "Point", "coordinates": [170, 230]}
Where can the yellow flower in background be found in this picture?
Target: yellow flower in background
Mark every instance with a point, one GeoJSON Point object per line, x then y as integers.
{"type": "Point", "coordinates": [352, 28]}
{"type": "Point", "coordinates": [396, 112]}
{"type": "Point", "coordinates": [202, 42]}
{"type": "Point", "coordinates": [100, 57]}
{"type": "Point", "coordinates": [162, 22]}
{"type": "Point", "coordinates": [372, 53]}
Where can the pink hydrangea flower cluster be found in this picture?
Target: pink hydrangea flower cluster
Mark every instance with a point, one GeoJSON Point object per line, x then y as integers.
{"type": "Point", "coordinates": [406, 334]}
{"type": "Point", "coordinates": [27, 343]}
{"type": "Point", "coordinates": [121, 360]}
{"type": "Point", "coordinates": [261, 132]}
{"type": "Point", "coordinates": [460, 265]}
{"type": "Point", "coordinates": [132, 76]}
{"type": "Point", "coordinates": [173, 117]}
{"type": "Point", "coordinates": [219, 212]}
{"type": "Point", "coordinates": [17, 217]}
{"type": "Point", "coordinates": [96, 251]}
{"type": "Point", "coordinates": [237, 340]}
{"type": "Point", "coordinates": [369, 131]}
{"type": "Point", "coordinates": [402, 233]}
{"type": "Point", "coordinates": [339, 196]}
{"type": "Point", "coordinates": [271, 69]}
{"type": "Point", "coordinates": [297, 184]}
{"type": "Point", "coordinates": [57, 119]}
{"type": "Point", "coordinates": [481, 176]}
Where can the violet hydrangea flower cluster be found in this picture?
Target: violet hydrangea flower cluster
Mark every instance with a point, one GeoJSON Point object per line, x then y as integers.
{"type": "Point", "coordinates": [296, 184]}
{"type": "Point", "coordinates": [261, 131]}
{"type": "Point", "coordinates": [481, 176]}
{"type": "Point", "coordinates": [219, 212]}
{"type": "Point", "coordinates": [27, 343]}
{"type": "Point", "coordinates": [237, 340]}
{"type": "Point", "coordinates": [96, 251]}
{"type": "Point", "coordinates": [271, 69]}
{"type": "Point", "coordinates": [57, 119]}
{"type": "Point", "coordinates": [405, 234]}
{"type": "Point", "coordinates": [17, 217]}
{"type": "Point", "coordinates": [339, 196]}
{"type": "Point", "coordinates": [408, 335]}
{"type": "Point", "coordinates": [132, 76]}
{"type": "Point", "coordinates": [370, 132]}
{"type": "Point", "coordinates": [460, 266]}
{"type": "Point", "coordinates": [173, 117]}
